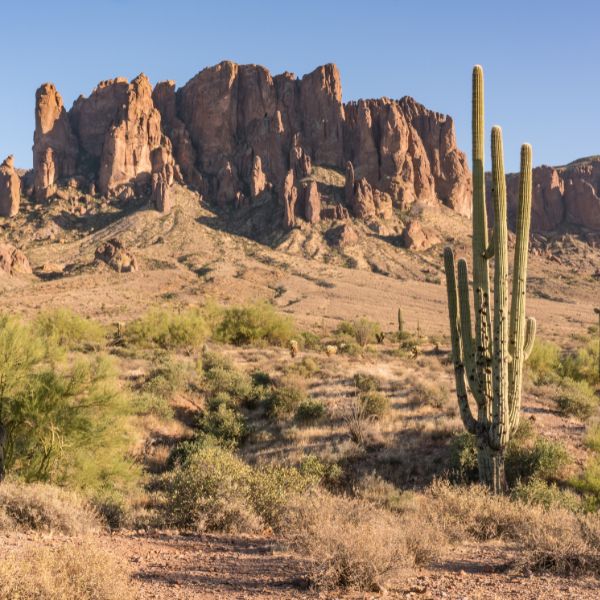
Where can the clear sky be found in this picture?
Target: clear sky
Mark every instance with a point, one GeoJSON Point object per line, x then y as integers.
{"type": "Point", "coordinates": [541, 58]}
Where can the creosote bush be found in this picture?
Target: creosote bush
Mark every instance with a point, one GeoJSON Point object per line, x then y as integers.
{"type": "Point", "coordinates": [254, 324]}
{"type": "Point", "coordinates": [69, 330]}
{"type": "Point", "coordinates": [169, 330]}
{"type": "Point", "coordinates": [576, 398]}
{"type": "Point", "coordinates": [362, 330]}
{"type": "Point", "coordinates": [374, 404]}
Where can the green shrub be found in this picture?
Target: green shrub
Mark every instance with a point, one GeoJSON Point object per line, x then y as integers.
{"type": "Point", "coordinates": [433, 394]}
{"type": "Point", "coordinates": [582, 365]}
{"type": "Point", "coordinates": [185, 330]}
{"type": "Point", "coordinates": [548, 495]}
{"type": "Point", "coordinates": [146, 403]}
{"type": "Point", "coordinates": [284, 399]}
{"type": "Point", "coordinates": [255, 323]}
{"type": "Point", "coordinates": [69, 330]}
{"type": "Point", "coordinates": [588, 483]}
{"type": "Point", "coordinates": [366, 382]}
{"type": "Point", "coordinates": [225, 424]}
{"type": "Point", "coordinates": [544, 362]}
{"type": "Point", "coordinates": [310, 411]}
{"type": "Point", "coordinates": [212, 489]}
{"type": "Point", "coordinates": [362, 330]}
{"type": "Point", "coordinates": [374, 404]}
{"type": "Point", "coordinates": [592, 436]}
{"type": "Point", "coordinates": [166, 378]}
{"type": "Point", "coordinates": [528, 456]}
{"type": "Point", "coordinates": [576, 398]}
{"type": "Point", "coordinates": [310, 341]}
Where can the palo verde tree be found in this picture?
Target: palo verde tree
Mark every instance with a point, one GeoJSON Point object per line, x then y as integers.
{"type": "Point", "coordinates": [489, 360]}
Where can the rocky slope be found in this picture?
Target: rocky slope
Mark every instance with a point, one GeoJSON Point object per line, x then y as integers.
{"type": "Point", "coordinates": [235, 133]}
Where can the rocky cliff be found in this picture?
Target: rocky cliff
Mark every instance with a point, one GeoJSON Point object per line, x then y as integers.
{"type": "Point", "coordinates": [234, 132]}
{"type": "Point", "coordinates": [564, 198]}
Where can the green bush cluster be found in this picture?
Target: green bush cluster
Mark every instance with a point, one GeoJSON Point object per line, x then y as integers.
{"type": "Point", "coordinates": [69, 330]}
{"type": "Point", "coordinates": [362, 331]}
{"type": "Point", "coordinates": [529, 456]}
{"type": "Point", "coordinates": [185, 330]}
{"type": "Point", "coordinates": [212, 489]}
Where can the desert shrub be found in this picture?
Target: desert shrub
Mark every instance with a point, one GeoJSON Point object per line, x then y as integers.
{"type": "Point", "coordinates": [576, 398]}
{"type": "Point", "coordinates": [212, 489]}
{"type": "Point", "coordinates": [582, 365]}
{"type": "Point", "coordinates": [310, 411]}
{"type": "Point", "coordinates": [365, 382]}
{"type": "Point", "coordinates": [208, 491]}
{"type": "Point", "coordinates": [167, 377]}
{"type": "Point", "coordinates": [42, 507]}
{"type": "Point", "coordinates": [236, 384]}
{"type": "Point", "coordinates": [553, 540]}
{"type": "Point", "coordinates": [382, 493]}
{"type": "Point", "coordinates": [285, 398]}
{"type": "Point", "coordinates": [225, 424]}
{"type": "Point", "coordinates": [146, 403]}
{"type": "Point", "coordinates": [435, 395]}
{"type": "Point", "coordinates": [317, 471]}
{"type": "Point", "coordinates": [544, 362]}
{"type": "Point", "coordinates": [310, 341]}
{"type": "Point", "coordinates": [68, 329]}
{"type": "Point", "coordinates": [560, 542]}
{"type": "Point", "coordinates": [255, 323]}
{"type": "Point", "coordinates": [548, 495]}
{"type": "Point", "coordinates": [261, 378]}
{"type": "Point", "coordinates": [374, 404]}
{"type": "Point", "coordinates": [169, 330]}
{"type": "Point", "coordinates": [350, 543]}
{"type": "Point", "coordinates": [73, 569]}
{"type": "Point", "coordinates": [528, 456]}
{"type": "Point", "coordinates": [588, 483]}
{"type": "Point", "coordinates": [362, 330]}
{"type": "Point", "coordinates": [592, 436]}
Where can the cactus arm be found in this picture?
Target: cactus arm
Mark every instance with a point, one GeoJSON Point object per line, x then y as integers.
{"type": "Point", "coordinates": [500, 430]}
{"type": "Point", "coordinates": [530, 329]}
{"type": "Point", "coordinates": [518, 322]}
{"type": "Point", "coordinates": [457, 350]}
{"type": "Point", "coordinates": [481, 277]}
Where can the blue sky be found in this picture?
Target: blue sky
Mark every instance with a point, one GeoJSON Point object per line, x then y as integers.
{"type": "Point", "coordinates": [540, 57]}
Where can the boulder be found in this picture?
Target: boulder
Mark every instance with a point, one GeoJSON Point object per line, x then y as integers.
{"type": "Point", "coordinates": [342, 235]}
{"type": "Point", "coordinates": [13, 261]}
{"type": "Point", "coordinates": [414, 237]}
{"type": "Point", "coordinates": [10, 189]}
{"type": "Point", "coordinates": [116, 256]}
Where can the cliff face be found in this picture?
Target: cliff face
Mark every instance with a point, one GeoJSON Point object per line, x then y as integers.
{"type": "Point", "coordinates": [234, 131]}
{"type": "Point", "coordinates": [565, 197]}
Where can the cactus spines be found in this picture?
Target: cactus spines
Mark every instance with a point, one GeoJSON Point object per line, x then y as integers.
{"type": "Point", "coordinates": [489, 361]}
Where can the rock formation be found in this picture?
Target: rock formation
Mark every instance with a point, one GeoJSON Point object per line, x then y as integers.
{"type": "Point", "coordinates": [290, 197]}
{"type": "Point", "coordinates": [235, 131]}
{"type": "Point", "coordinates": [563, 197]}
{"type": "Point", "coordinates": [13, 261]}
{"type": "Point", "coordinates": [414, 237]}
{"type": "Point", "coordinates": [312, 203]}
{"type": "Point", "coordinates": [116, 256]}
{"type": "Point", "coordinates": [10, 189]}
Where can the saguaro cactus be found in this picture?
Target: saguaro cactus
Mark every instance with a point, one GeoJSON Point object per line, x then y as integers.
{"type": "Point", "coordinates": [489, 362]}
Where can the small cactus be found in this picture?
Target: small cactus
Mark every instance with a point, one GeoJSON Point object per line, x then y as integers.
{"type": "Point", "coordinates": [490, 363]}
{"type": "Point", "coordinates": [294, 348]}
{"type": "Point", "coordinates": [400, 322]}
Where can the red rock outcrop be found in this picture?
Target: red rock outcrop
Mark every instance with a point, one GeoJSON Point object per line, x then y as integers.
{"type": "Point", "coordinates": [55, 148]}
{"type": "Point", "coordinates": [108, 137]}
{"type": "Point", "coordinates": [312, 203]}
{"type": "Point", "coordinates": [414, 237]}
{"type": "Point", "coordinates": [290, 197]}
{"type": "Point", "coordinates": [563, 197]}
{"type": "Point", "coordinates": [13, 261]}
{"type": "Point", "coordinates": [236, 131]}
{"type": "Point", "coordinates": [116, 256]}
{"type": "Point", "coordinates": [258, 181]}
{"type": "Point", "coordinates": [10, 189]}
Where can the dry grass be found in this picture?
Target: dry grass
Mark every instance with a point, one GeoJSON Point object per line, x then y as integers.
{"type": "Point", "coordinates": [77, 569]}
{"type": "Point", "coordinates": [351, 543]}
{"type": "Point", "coordinates": [42, 507]}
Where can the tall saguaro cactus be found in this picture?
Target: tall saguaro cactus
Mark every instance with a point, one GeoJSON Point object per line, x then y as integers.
{"type": "Point", "coordinates": [489, 361]}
